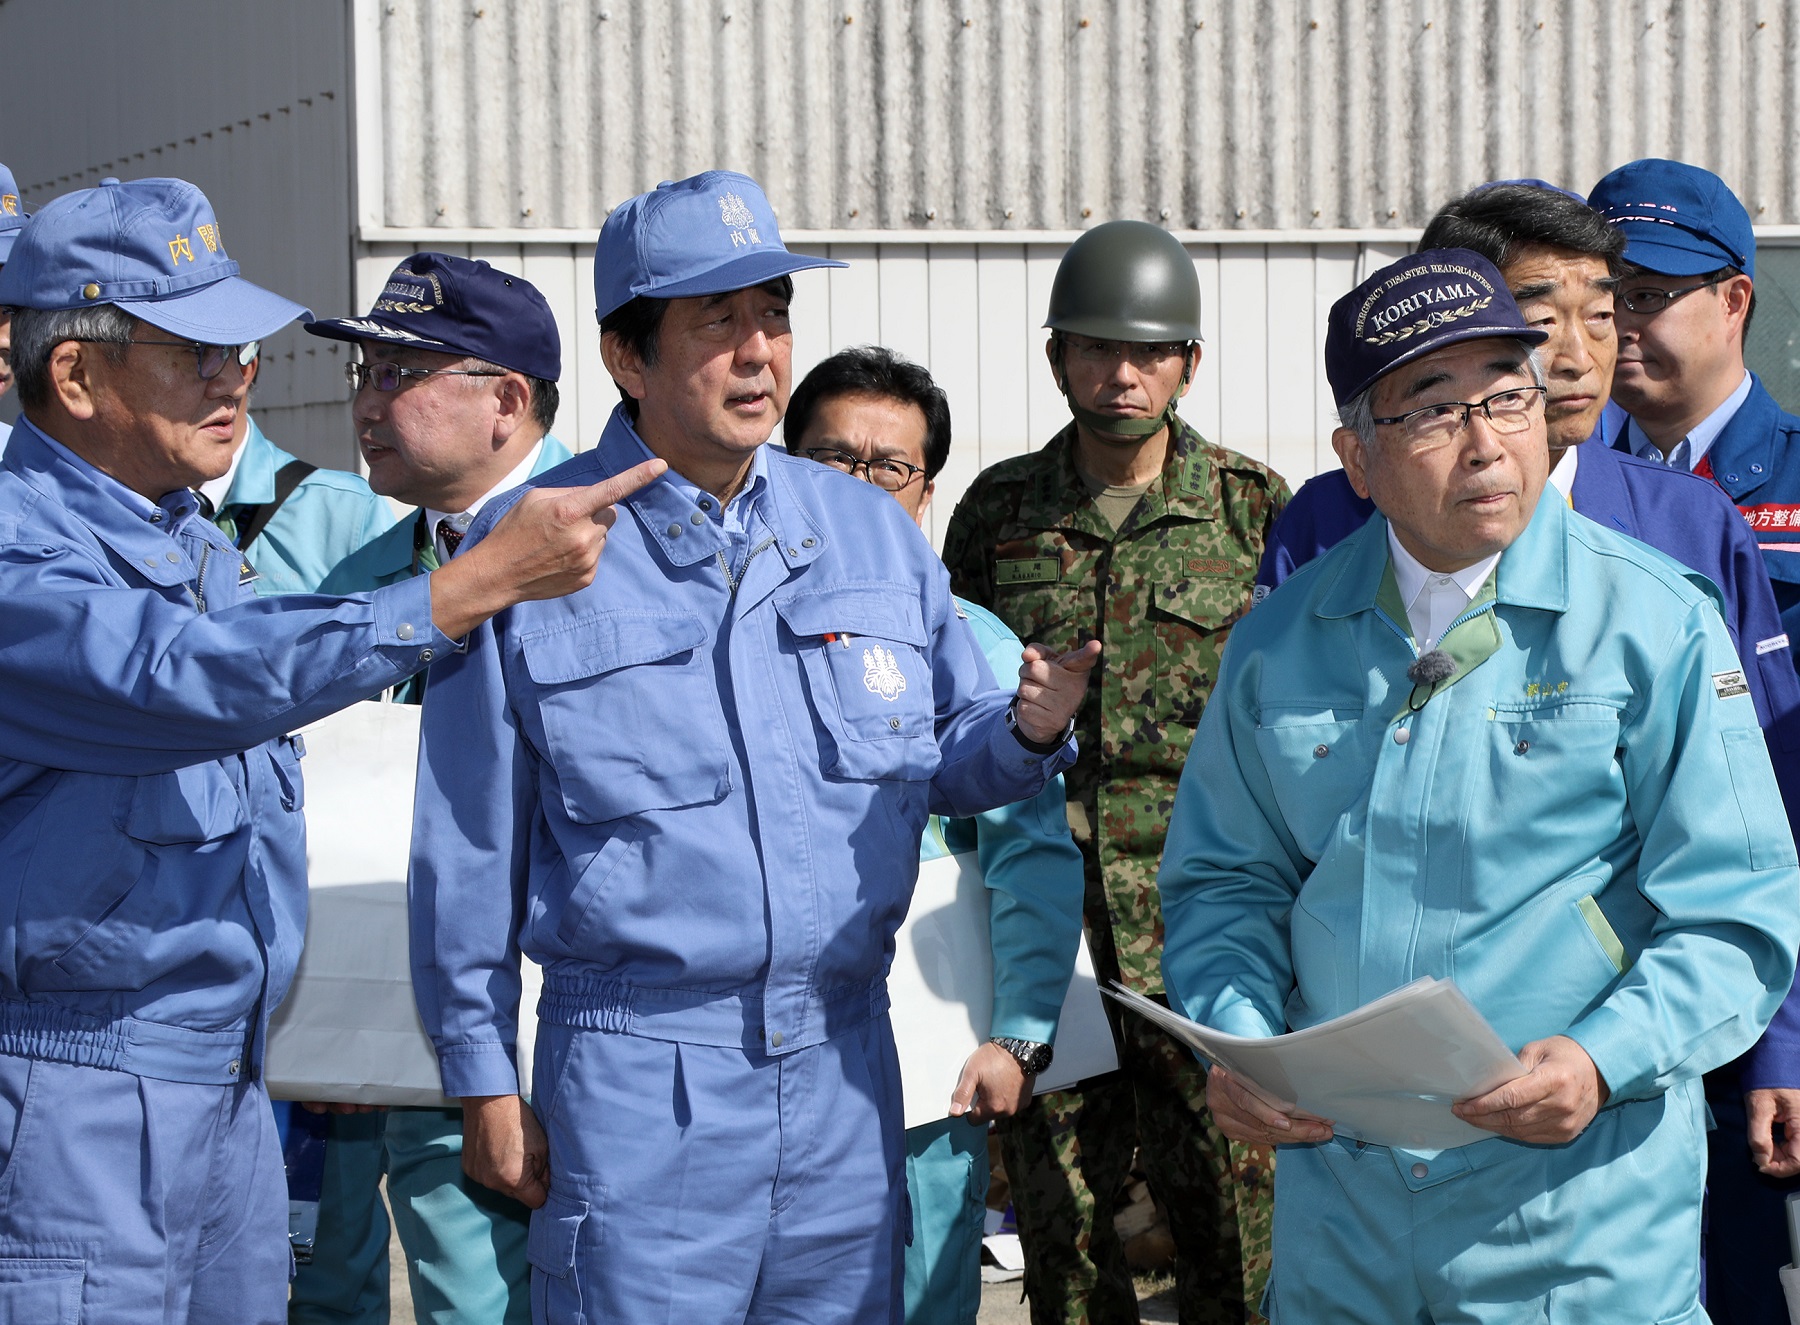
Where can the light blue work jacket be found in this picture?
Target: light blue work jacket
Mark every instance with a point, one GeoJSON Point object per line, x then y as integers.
{"type": "Point", "coordinates": [1032, 870]}
{"type": "Point", "coordinates": [152, 850]}
{"type": "Point", "coordinates": [393, 555]}
{"type": "Point", "coordinates": [694, 791]}
{"type": "Point", "coordinates": [324, 520]}
{"type": "Point", "coordinates": [1582, 830]}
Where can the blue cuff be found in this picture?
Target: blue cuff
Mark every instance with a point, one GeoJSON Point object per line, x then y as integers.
{"type": "Point", "coordinates": [404, 631]}
{"type": "Point", "coordinates": [478, 1069]}
{"type": "Point", "coordinates": [1025, 1019]}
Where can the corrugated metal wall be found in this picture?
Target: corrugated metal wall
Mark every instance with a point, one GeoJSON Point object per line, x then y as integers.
{"type": "Point", "coordinates": [971, 313]}
{"type": "Point", "coordinates": [1051, 114]}
{"type": "Point", "coordinates": [250, 102]}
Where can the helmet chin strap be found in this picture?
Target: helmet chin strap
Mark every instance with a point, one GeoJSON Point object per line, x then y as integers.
{"type": "Point", "coordinates": [1111, 425]}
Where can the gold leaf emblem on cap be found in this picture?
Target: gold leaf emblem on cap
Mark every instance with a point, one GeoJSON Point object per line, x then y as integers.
{"type": "Point", "coordinates": [90, 291]}
{"type": "Point", "coordinates": [1435, 318]}
{"type": "Point", "coordinates": [9, 203]}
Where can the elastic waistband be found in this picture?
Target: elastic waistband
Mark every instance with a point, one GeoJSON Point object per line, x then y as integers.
{"type": "Point", "coordinates": [732, 1019]}
{"type": "Point", "coordinates": [142, 1048]}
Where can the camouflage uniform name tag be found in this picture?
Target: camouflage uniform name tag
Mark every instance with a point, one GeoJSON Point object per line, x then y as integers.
{"type": "Point", "coordinates": [1033, 570]}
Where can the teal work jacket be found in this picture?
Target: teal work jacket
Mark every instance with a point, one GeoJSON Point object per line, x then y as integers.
{"type": "Point", "coordinates": [330, 515]}
{"type": "Point", "coordinates": [1581, 829]}
{"type": "Point", "coordinates": [388, 558]}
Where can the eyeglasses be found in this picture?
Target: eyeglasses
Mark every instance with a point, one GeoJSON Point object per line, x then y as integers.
{"type": "Point", "coordinates": [209, 360]}
{"type": "Point", "coordinates": [1649, 299]}
{"type": "Point", "coordinates": [887, 474]}
{"type": "Point", "coordinates": [1506, 411]}
{"type": "Point", "coordinates": [1144, 355]}
{"type": "Point", "coordinates": [389, 376]}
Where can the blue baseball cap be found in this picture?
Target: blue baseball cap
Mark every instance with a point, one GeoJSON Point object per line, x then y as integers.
{"type": "Point", "coordinates": [1423, 302]}
{"type": "Point", "coordinates": [452, 305]}
{"type": "Point", "coordinates": [152, 247]}
{"type": "Point", "coordinates": [12, 211]}
{"type": "Point", "coordinates": [1679, 220]}
{"type": "Point", "coordinates": [709, 234]}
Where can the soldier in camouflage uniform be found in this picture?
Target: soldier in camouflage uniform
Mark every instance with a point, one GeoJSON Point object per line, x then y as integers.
{"type": "Point", "coordinates": [1131, 528]}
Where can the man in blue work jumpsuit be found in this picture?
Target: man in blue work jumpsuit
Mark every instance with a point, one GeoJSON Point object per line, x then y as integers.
{"type": "Point", "coordinates": [1559, 257]}
{"type": "Point", "coordinates": [152, 850]}
{"type": "Point", "coordinates": [1684, 309]}
{"type": "Point", "coordinates": [12, 220]}
{"type": "Point", "coordinates": [1487, 740]}
{"type": "Point", "coordinates": [705, 779]}
{"type": "Point", "coordinates": [455, 393]}
{"type": "Point", "coordinates": [869, 412]}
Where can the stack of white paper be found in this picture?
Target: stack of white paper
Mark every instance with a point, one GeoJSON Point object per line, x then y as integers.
{"type": "Point", "coordinates": [1386, 1073]}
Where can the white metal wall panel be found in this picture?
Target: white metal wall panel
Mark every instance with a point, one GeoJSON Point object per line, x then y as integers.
{"type": "Point", "coordinates": [1049, 115]}
{"type": "Point", "coordinates": [250, 102]}
{"type": "Point", "coordinates": [972, 314]}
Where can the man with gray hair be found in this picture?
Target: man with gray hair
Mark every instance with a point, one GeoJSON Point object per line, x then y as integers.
{"type": "Point", "coordinates": [152, 847]}
{"type": "Point", "coordinates": [1626, 925]}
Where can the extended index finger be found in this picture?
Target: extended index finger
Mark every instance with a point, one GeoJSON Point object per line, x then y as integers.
{"type": "Point", "coordinates": [609, 491]}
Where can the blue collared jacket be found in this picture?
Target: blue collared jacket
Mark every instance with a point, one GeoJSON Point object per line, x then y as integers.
{"type": "Point", "coordinates": [152, 850]}
{"type": "Point", "coordinates": [1680, 516]}
{"type": "Point", "coordinates": [1032, 869]}
{"type": "Point", "coordinates": [1581, 829]}
{"type": "Point", "coordinates": [694, 791]}
{"type": "Point", "coordinates": [324, 520]}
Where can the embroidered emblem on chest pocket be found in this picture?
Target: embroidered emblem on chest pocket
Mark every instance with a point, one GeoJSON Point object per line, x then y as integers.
{"type": "Point", "coordinates": [881, 674]}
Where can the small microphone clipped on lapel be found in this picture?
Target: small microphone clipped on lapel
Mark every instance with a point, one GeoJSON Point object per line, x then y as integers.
{"type": "Point", "coordinates": [1430, 669]}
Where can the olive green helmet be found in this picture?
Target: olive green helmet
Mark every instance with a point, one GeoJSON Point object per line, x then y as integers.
{"type": "Point", "coordinates": [1126, 280]}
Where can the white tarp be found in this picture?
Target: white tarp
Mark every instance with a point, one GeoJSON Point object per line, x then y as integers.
{"type": "Point", "coordinates": [349, 1030]}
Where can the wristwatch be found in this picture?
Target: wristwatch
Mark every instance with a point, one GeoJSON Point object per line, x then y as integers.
{"type": "Point", "coordinates": [1036, 747]}
{"type": "Point", "coordinates": [1033, 1057]}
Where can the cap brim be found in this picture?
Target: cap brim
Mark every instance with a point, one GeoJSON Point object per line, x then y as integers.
{"type": "Point", "coordinates": [368, 328]}
{"type": "Point", "coordinates": [227, 312]}
{"type": "Point", "coordinates": [1530, 335]}
{"type": "Point", "coordinates": [1647, 245]}
{"type": "Point", "coordinates": [740, 273]}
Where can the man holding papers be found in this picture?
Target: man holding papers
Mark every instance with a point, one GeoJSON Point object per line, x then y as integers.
{"type": "Point", "coordinates": [1488, 741]}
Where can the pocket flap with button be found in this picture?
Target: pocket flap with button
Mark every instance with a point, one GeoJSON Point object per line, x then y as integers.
{"type": "Point", "coordinates": [193, 804]}
{"type": "Point", "coordinates": [595, 645]}
{"type": "Point", "coordinates": [555, 1234]}
{"type": "Point", "coordinates": [885, 611]}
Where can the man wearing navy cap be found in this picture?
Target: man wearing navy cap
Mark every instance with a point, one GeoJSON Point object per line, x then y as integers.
{"type": "Point", "coordinates": [1482, 739]}
{"type": "Point", "coordinates": [1684, 310]}
{"type": "Point", "coordinates": [703, 782]}
{"type": "Point", "coordinates": [12, 220]}
{"type": "Point", "coordinates": [455, 393]}
{"type": "Point", "coordinates": [150, 800]}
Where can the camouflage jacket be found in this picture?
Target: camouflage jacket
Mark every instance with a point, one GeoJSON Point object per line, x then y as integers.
{"type": "Point", "coordinates": [1027, 542]}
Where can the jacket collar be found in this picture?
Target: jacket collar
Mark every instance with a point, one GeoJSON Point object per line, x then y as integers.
{"type": "Point", "coordinates": [1056, 498]}
{"type": "Point", "coordinates": [136, 529]}
{"type": "Point", "coordinates": [1533, 572]}
{"type": "Point", "coordinates": [667, 514]}
{"type": "Point", "coordinates": [1743, 456]}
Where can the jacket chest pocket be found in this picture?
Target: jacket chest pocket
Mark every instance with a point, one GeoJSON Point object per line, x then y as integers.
{"type": "Point", "coordinates": [630, 712]}
{"type": "Point", "coordinates": [1317, 769]}
{"type": "Point", "coordinates": [1041, 600]}
{"type": "Point", "coordinates": [1190, 619]}
{"type": "Point", "coordinates": [863, 652]}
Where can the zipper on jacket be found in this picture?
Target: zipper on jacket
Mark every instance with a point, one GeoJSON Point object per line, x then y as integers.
{"type": "Point", "coordinates": [732, 582]}
{"type": "Point", "coordinates": [198, 587]}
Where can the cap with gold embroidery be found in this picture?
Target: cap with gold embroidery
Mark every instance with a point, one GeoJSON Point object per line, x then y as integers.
{"type": "Point", "coordinates": [12, 211]}
{"type": "Point", "coordinates": [150, 246]}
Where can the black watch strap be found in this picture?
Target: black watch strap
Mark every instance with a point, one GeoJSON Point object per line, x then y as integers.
{"type": "Point", "coordinates": [1033, 1057]}
{"type": "Point", "coordinates": [1036, 747]}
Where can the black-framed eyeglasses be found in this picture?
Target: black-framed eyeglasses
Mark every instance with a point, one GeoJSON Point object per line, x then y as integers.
{"type": "Point", "coordinates": [209, 360]}
{"type": "Point", "coordinates": [1649, 299]}
{"type": "Point", "coordinates": [884, 472]}
{"type": "Point", "coordinates": [1506, 411]}
{"type": "Point", "coordinates": [389, 376]}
